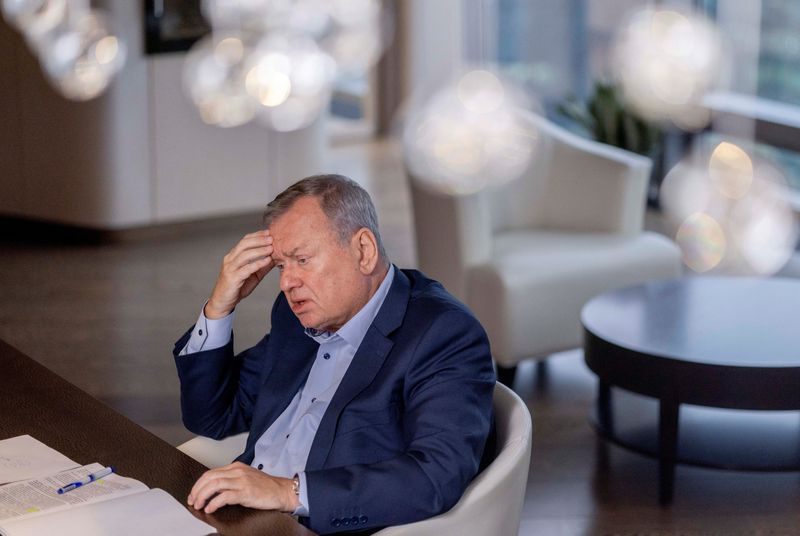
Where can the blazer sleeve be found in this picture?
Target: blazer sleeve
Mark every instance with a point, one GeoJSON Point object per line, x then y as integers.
{"type": "Point", "coordinates": [219, 389]}
{"type": "Point", "coordinates": [447, 417]}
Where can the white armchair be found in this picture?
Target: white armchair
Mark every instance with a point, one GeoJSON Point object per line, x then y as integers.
{"type": "Point", "coordinates": [526, 256]}
{"type": "Point", "coordinates": [491, 504]}
{"type": "Point", "coordinates": [212, 452]}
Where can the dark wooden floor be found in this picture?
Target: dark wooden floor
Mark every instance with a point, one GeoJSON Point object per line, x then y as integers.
{"type": "Point", "coordinates": [105, 318]}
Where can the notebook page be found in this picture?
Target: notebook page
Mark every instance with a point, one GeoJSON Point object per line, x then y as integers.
{"type": "Point", "coordinates": [150, 512]}
{"type": "Point", "coordinates": [24, 457]}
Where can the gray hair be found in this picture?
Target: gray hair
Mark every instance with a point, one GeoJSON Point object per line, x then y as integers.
{"type": "Point", "coordinates": [346, 204]}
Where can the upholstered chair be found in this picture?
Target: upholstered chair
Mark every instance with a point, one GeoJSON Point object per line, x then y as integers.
{"type": "Point", "coordinates": [526, 256]}
{"type": "Point", "coordinates": [491, 504]}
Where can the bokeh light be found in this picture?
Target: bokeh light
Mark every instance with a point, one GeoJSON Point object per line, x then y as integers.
{"type": "Point", "coordinates": [80, 57]}
{"type": "Point", "coordinates": [76, 50]}
{"type": "Point", "coordinates": [702, 242]}
{"type": "Point", "coordinates": [469, 135]}
{"type": "Point", "coordinates": [361, 31]}
{"type": "Point", "coordinates": [731, 170]}
{"type": "Point", "coordinates": [353, 32]}
{"type": "Point", "coordinates": [240, 15]}
{"type": "Point", "coordinates": [666, 61]}
{"type": "Point", "coordinates": [763, 223]}
{"type": "Point", "coordinates": [36, 18]}
{"type": "Point", "coordinates": [214, 78]}
{"type": "Point", "coordinates": [302, 46]}
{"type": "Point", "coordinates": [731, 211]}
{"type": "Point", "coordinates": [291, 78]}
{"type": "Point", "coordinates": [355, 13]}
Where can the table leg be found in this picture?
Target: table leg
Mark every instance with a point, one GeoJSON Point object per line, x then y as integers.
{"type": "Point", "coordinates": [669, 411]}
{"type": "Point", "coordinates": [604, 409]}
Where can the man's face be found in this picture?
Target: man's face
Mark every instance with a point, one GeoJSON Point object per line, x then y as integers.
{"type": "Point", "coordinates": [318, 274]}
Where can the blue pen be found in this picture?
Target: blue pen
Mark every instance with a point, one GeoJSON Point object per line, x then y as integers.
{"type": "Point", "coordinates": [89, 478]}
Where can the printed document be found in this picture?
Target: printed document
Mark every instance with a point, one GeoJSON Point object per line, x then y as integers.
{"type": "Point", "coordinates": [114, 505]}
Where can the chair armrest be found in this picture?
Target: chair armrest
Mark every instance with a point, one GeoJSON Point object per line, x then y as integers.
{"type": "Point", "coordinates": [453, 233]}
{"type": "Point", "coordinates": [213, 453]}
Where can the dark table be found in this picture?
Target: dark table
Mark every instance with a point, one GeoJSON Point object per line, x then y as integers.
{"type": "Point", "coordinates": [38, 402]}
{"type": "Point", "coordinates": [716, 342]}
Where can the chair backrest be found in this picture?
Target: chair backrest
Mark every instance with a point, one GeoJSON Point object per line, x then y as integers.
{"type": "Point", "coordinates": [567, 181]}
{"type": "Point", "coordinates": [571, 184]}
{"type": "Point", "coordinates": [492, 503]}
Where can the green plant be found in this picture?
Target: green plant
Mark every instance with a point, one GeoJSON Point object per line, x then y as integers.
{"type": "Point", "coordinates": [607, 119]}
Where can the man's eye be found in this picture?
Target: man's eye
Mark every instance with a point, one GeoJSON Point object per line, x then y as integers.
{"type": "Point", "coordinates": [302, 260]}
{"type": "Point", "coordinates": [279, 267]}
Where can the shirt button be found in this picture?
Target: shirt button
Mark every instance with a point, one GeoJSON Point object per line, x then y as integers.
{"type": "Point", "coordinates": [313, 400]}
{"type": "Point", "coordinates": [326, 355]}
{"type": "Point", "coordinates": [287, 436]}
{"type": "Point", "coordinates": [260, 466]}
{"type": "Point", "coordinates": [199, 331]}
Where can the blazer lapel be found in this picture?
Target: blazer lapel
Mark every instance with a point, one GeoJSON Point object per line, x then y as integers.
{"type": "Point", "coordinates": [366, 363]}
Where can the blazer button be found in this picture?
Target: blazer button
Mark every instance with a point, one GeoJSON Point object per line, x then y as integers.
{"type": "Point", "coordinates": [260, 466]}
{"type": "Point", "coordinates": [346, 521]}
{"type": "Point", "coordinates": [354, 520]}
{"type": "Point", "coordinates": [337, 522]}
{"type": "Point", "coordinates": [363, 519]}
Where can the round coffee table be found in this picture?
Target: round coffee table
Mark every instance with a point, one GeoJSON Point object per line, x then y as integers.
{"type": "Point", "coordinates": [706, 341]}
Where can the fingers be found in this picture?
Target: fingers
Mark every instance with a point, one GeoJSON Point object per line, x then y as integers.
{"type": "Point", "coordinates": [207, 477]}
{"type": "Point", "coordinates": [202, 493]}
{"type": "Point", "coordinates": [213, 489]}
{"type": "Point", "coordinates": [250, 241]}
{"type": "Point", "coordinates": [262, 272]}
{"type": "Point", "coordinates": [251, 255]}
{"type": "Point", "coordinates": [226, 497]}
{"type": "Point", "coordinates": [237, 258]}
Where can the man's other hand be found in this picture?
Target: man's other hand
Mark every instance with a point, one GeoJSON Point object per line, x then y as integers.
{"type": "Point", "coordinates": [238, 483]}
{"type": "Point", "coordinates": [243, 268]}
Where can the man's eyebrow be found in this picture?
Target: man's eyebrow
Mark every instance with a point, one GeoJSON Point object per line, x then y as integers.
{"type": "Point", "coordinates": [291, 253]}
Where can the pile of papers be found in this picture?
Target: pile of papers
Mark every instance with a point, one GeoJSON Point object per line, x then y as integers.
{"type": "Point", "coordinates": [30, 474]}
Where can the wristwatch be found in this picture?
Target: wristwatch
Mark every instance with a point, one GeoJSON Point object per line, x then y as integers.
{"type": "Point", "coordinates": [296, 485]}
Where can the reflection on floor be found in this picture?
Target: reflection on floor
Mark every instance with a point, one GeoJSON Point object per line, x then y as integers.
{"type": "Point", "coordinates": [105, 318]}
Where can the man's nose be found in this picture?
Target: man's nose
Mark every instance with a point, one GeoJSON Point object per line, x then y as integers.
{"type": "Point", "coordinates": [289, 279]}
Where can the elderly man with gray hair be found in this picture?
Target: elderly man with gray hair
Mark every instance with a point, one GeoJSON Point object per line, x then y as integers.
{"type": "Point", "coordinates": [368, 404]}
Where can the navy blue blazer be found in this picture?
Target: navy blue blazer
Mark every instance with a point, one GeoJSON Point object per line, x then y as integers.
{"type": "Point", "coordinates": [404, 433]}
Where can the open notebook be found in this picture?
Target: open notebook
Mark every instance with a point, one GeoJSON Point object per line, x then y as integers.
{"type": "Point", "coordinates": [113, 505]}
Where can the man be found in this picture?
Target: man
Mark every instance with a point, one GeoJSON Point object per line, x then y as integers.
{"type": "Point", "coordinates": [368, 403]}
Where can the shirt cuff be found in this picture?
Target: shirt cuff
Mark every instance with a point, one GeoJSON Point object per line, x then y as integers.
{"type": "Point", "coordinates": [302, 509]}
{"type": "Point", "coordinates": [208, 334]}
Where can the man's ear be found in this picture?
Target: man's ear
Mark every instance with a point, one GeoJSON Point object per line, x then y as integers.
{"type": "Point", "coordinates": [367, 246]}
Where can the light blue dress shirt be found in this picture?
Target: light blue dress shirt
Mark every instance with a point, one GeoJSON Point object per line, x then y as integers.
{"type": "Point", "coordinates": [282, 450]}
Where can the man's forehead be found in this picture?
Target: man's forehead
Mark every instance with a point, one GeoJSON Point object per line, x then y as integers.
{"type": "Point", "coordinates": [304, 213]}
{"type": "Point", "coordinates": [290, 244]}
{"type": "Point", "coordinates": [301, 224]}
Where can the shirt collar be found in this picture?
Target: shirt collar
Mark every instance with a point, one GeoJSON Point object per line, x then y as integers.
{"type": "Point", "coordinates": [355, 329]}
